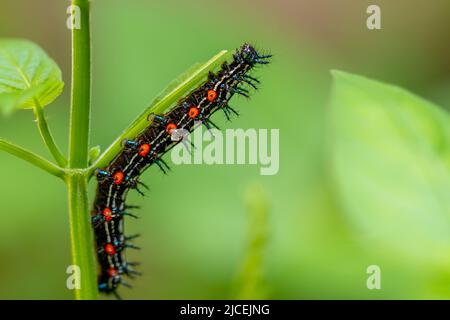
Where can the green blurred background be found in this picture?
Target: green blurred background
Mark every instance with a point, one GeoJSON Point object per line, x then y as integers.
{"type": "Point", "coordinates": [241, 235]}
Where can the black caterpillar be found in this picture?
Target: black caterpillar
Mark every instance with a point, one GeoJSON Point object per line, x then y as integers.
{"type": "Point", "coordinates": [122, 174]}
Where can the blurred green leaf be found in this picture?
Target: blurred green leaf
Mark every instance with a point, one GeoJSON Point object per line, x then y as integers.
{"type": "Point", "coordinates": [391, 161]}
{"type": "Point", "coordinates": [26, 73]}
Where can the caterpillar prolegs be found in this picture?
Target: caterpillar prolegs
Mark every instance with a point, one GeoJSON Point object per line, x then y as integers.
{"type": "Point", "coordinates": [123, 173]}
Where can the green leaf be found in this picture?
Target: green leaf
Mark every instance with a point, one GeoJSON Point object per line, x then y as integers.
{"type": "Point", "coordinates": [166, 99]}
{"type": "Point", "coordinates": [185, 82]}
{"type": "Point", "coordinates": [27, 75]}
{"type": "Point", "coordinates": [391, 164]}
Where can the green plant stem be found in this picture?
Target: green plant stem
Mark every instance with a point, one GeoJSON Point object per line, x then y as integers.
{"type": "Point", "coordinates": [80, 227]}
{"type": "Point", "coordinates": [81, 236]}
{"type": "Point", "coordinates": [31, 158]}
{"type": "Point", "coordinates": [81, 89]}
{"type": "Point", "coordinates": [46, 134]}
{"type": "Point", "coordinates": [157, 107]}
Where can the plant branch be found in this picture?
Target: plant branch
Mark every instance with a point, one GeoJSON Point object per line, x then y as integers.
{"type": "Point", "coordinates": [158, 106]}
{"type": "Point", "coordinates": [46, 134]}
{"type": "Point", "coordinates": [81, 236]}
{"type": "Point", "coordinates": [32, 158]}
{"type": "Point", "coordinates": [81, 89]}
{"type": "Point", "coordinates": [82, 243]}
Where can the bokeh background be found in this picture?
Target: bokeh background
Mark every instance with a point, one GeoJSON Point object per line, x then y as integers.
{"type": "Point", "coordinates": [236, 234]}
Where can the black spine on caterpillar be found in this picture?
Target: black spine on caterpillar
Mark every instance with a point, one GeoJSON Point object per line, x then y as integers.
{"type": "Point", "coordinates": [123, 173]}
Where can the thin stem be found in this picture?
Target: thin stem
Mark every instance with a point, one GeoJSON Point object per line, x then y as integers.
{"type": "Point", "coordinates": [81, 89]}
{"type": "Point", "coordinates": [32, 158]}
{"type": "Point", "coordinates": [81, 237]}
{"type": "Point", "coordinates": [46, 134]}
{"type": "Point", "coordinates": [161, 104]}
{"type": "Point", "coordinates": [82, 243]}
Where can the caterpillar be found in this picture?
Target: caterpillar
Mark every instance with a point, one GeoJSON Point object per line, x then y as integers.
{"type": "Point", "coordinates": [123, 172]}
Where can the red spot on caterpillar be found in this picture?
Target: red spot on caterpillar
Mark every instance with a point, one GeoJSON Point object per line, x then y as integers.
{"type": "Point", "coordinates": [193, 112]}
{"type": "Point", "coordinates": [107, 214]}
{"type": "Point", "coordinates": [170, 127]}
{"type": "Point", "coordinates": [109, 249]}
{"type": "Point", "coordinates": [212, 95]}
{"type": "Point", "coordinates": [118, 177]}
{"type": "Point", "coordinates": [144, 149]}
{"type": "Point", "coordinates": [112, 272]}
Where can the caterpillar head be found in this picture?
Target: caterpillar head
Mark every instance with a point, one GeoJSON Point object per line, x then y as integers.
{"type": "Point", "coordinates": [249, 54]}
